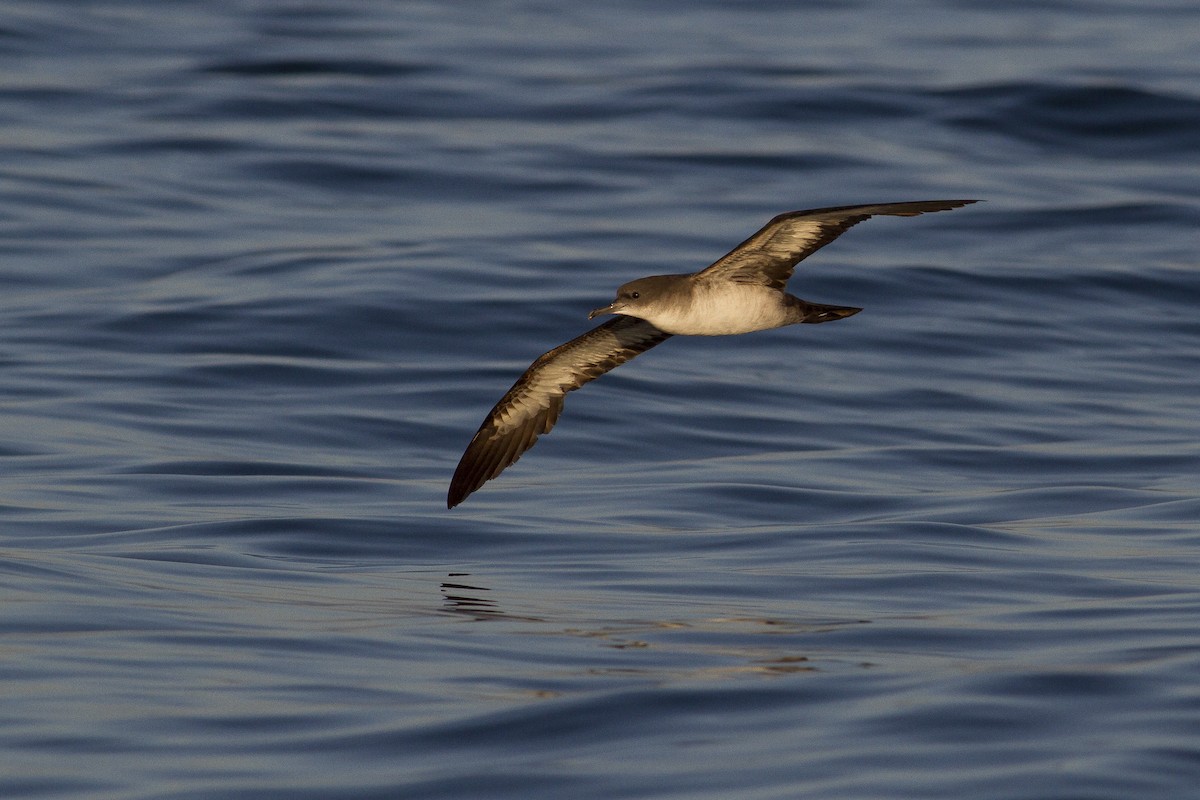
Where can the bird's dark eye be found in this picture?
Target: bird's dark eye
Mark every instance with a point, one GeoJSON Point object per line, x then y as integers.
{"type": "Point", "coordinates": [634, 295]}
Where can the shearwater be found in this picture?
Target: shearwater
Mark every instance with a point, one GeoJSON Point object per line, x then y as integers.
{"type": "Point", "coordinates": [741, 292]}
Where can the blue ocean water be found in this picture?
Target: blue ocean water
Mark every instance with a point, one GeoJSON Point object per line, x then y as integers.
{"type": "Point", "coordinates": [266, 266]}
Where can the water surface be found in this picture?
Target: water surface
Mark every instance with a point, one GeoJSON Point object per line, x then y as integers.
{"type": "Point", "coordinates": [266, 267]}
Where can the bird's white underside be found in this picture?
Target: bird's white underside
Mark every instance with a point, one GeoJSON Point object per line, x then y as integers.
{"type": "Point", "coordinates": [718, 311]}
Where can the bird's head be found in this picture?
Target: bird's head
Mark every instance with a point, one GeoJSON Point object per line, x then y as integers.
{"type": "Point", "coordinates": [640, 296]}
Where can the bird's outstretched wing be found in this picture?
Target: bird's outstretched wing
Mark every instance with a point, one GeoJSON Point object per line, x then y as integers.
{"type": "Point", "coordinates": [769, 256]}
{"type": "Point", "coordinates": [532, 405]}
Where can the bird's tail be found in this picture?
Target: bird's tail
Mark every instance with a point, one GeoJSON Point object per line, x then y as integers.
{"type": "Point", "coordinates": [815, 312]}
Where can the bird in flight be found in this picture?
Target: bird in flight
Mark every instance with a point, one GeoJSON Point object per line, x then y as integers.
{"type": "Point", "coordinates": [741, 292]}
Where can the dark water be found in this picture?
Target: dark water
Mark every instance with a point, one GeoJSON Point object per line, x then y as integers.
{"type": "Point", "coordinates": [266, 265]}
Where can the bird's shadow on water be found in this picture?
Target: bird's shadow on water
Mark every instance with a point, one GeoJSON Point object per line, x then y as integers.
{"type": "Point", "coordinates": [471, 601]}
{"type": "Point", "coordinates": [684, 640]}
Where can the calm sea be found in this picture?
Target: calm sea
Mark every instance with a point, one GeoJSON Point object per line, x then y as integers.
{"type": "Point", "coordinates": [265, 266]}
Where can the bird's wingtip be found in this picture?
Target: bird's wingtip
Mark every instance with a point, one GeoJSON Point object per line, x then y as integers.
{"type": "Point", "coordinates": [455, 496]}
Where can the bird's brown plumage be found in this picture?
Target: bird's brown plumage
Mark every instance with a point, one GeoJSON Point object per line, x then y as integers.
{"type": "Point", "coordinates": [532, 405]}
{"type": "Point", "coordinates": [770, 255]}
